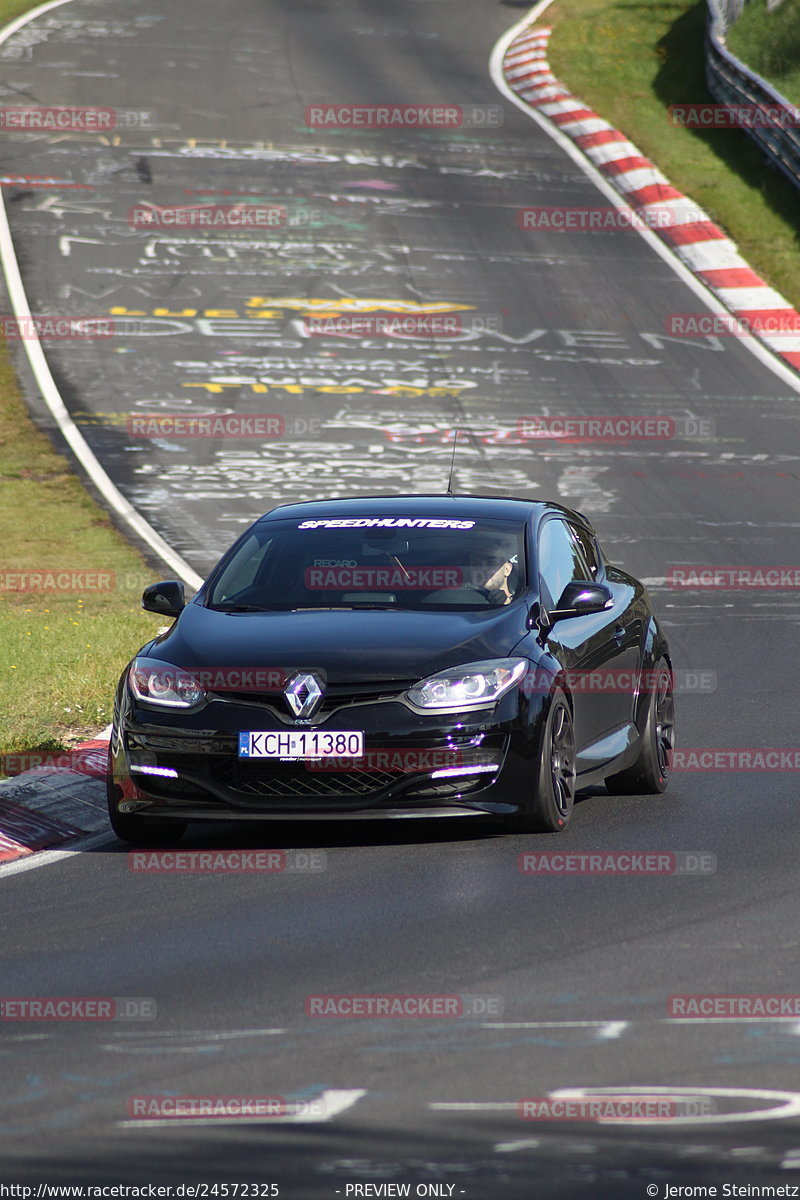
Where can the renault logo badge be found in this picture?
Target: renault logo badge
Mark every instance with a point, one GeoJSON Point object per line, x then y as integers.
{"type": "Point", "coordinates": [304, 695]}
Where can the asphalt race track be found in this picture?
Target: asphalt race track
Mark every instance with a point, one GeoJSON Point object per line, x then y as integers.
{"type": "Point", "coordinates": [574, 971]}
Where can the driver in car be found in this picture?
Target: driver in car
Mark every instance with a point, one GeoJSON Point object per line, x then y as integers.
{"type": "Point", "coordinates": [497, 583]}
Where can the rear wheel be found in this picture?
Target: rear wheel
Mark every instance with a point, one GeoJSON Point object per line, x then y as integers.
{"type": "Point", "coordinates": [130, 827]}
{"type": "Point", "coordinates": [651, 772]}
{"type": "Point", "coordinates": [552, 805]}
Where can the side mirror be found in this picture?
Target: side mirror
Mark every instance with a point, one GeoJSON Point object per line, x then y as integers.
{"type": "Point", "coordinates": [167, 598]}
{"type": "Point", "coordinates": [580, 598]}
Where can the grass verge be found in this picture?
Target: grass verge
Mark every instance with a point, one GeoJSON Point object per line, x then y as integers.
{"type": "Point", "coordinates": [769, 43]}
{"type": "Point", "coordinates": [61, 652]}
{"type": "Point", "coordinates": [629, 61]}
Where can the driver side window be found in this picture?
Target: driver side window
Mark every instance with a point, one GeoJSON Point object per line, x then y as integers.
{"type": "Point", "coordinates": [560, 561]}
{"type": "Point", "coordinates": [586, 544]}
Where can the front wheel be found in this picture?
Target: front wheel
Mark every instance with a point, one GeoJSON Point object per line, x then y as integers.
{"type": "Point", "coordinates": [650, 773]}
{"type": "Point", "coordinates": [554, 800]}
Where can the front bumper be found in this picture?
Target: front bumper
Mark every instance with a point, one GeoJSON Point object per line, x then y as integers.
{"type": "Point", "coordinates": [425, 765]}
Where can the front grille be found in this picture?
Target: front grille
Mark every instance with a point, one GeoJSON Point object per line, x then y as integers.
{"type": "Point", "coordinates": [295, 779]}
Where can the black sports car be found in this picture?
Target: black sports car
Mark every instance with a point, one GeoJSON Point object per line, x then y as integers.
{"type": "Point", "coordinates": [394, 656]}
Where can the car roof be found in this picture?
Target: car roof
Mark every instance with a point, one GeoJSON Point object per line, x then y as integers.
{"type": "Point", "coordinates": [503, 508]}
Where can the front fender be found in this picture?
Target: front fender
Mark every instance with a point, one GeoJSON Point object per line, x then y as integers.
{"type": "Point", "coordinates": [654, 648]}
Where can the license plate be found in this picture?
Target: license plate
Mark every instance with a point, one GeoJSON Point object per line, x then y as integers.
{"type": "Point", "coordinates": [301, 744]}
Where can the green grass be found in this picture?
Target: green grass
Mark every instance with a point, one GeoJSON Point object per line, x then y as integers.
{"type": "Point", "coordinates": [14, 8]}
{"type": "Point", "coordinates": [60, 653]}
{"type": "Point", "coordinates": [769, 43]}
{"type": "Point", "coordinates": [630, 59]}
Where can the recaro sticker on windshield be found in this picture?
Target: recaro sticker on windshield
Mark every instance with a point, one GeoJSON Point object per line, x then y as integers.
{"type": "Point", "coordinates": [385, 523]}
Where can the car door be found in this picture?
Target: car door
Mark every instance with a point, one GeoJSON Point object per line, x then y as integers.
{"type": "Point", "coordinates": [629, 629]}
{"type": "Point", "coordinates": [599, 651]}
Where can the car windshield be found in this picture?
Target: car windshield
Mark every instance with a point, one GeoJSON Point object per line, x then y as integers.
{"type": "Point", "coordinates": [423, 563]}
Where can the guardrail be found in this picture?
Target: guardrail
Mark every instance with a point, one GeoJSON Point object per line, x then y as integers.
{"type": "Point", "coordinates": [733, 9]}
{"type": "Point", "coordinates": [730, 82]}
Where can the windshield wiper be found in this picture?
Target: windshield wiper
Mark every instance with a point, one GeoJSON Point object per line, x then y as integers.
{"type": "Point", "coordinates": [243, 608]}
{"type": "Point", "coordinates": [345, 607]}
{"type": "Point", "coordinates": [240, 608]}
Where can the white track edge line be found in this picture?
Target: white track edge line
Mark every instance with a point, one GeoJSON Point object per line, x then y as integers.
{"type": "Point", "coordinates": [47, 385]}
{"type": "Point", "coordinates": [757, 348]}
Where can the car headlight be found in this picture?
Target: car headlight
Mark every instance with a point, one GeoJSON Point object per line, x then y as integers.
{"type": "Point", "coordinates": [161, 683]}
{"type": "Point", "coordinates": [473, 685]}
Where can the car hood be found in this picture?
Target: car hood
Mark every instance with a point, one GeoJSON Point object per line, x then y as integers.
{"type": "Point", "coordinates": [349, 646]}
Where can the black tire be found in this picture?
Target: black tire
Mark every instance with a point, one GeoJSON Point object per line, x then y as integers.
{"type": "Point", "coordinates": [130, 827]}
{"type": "Point", "coordinates": [650, 774]}
{"type": "Point", "coordinates": [552, 805]}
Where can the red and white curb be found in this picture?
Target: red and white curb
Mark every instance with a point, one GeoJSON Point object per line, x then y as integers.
{"type": "Point", "coordinates": [688, 231]}
{"type": "Point", "coordinates": [58, 802]}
